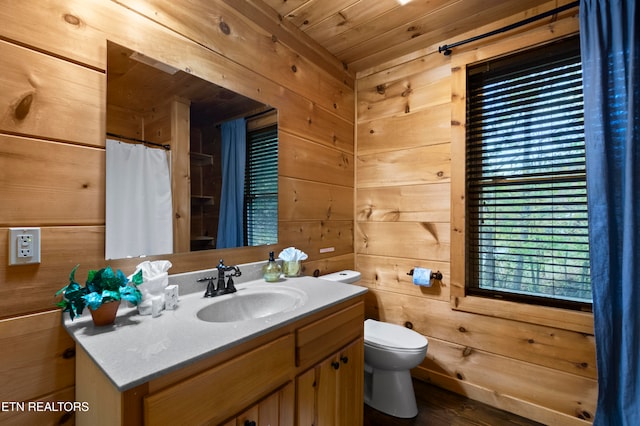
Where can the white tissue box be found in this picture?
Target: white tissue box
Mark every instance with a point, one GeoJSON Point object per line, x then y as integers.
{"type": "Point", "coordinates": [171, 297]}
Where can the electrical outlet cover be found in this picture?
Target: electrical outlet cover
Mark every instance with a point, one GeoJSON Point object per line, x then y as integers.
{"type": "Point", "coordinates": [24, 246]}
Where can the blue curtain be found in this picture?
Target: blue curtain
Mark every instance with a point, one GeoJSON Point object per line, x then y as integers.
{"type": "Point", "coordinates": [609, 47]}
{"type": "Point", "coordinates": [234, 148]}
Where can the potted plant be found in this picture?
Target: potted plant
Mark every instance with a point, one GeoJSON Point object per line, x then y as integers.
{"type": "Point", "coordinates": [102, 293]}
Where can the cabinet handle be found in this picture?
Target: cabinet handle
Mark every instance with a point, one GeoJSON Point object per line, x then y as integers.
{"type": "Point", "coordinates": [344, 359]}
{"type": "Point", "coordinates": [335, 365]}
{"type": "Point", "coordinates": [69, 353]}
{"type": "Point", "coordinates": [249, 423]}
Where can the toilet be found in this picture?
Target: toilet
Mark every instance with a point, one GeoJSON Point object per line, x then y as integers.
{"type": "Point", "coordinates": [390, 352]}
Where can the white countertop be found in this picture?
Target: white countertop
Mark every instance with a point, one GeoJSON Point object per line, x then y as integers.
{"type": "Point", "coordinates": [139, 348]}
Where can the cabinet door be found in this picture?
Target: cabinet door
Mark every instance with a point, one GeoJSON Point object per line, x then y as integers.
{"type": "Point", "coordinates": [316, 390]}
{"type": "Point", "coordinates": [350, 392]}
{"type": "Point", "coordinates": [274, 410]}
{"type": "Point", "coordinates": [326, 391]}
{"type": "Point", "coordinates": [249, 417]}
{"type": "Point", "coordinates": [331, 393]}
{"type": "Point", "coordinates": [306, 397]}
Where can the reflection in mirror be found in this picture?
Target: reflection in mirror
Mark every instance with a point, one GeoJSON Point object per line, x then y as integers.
{"type": "Point", "coordinates": [190, 165]}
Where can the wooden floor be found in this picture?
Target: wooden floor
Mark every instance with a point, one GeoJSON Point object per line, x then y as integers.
{"type": "Point", "coordinates": [439, 407]}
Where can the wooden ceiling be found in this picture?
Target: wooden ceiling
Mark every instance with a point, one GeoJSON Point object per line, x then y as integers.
{"type": "Point", "coordinates": [367, 33]}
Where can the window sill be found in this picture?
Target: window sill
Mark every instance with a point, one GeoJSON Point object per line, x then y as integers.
{"type": "Point", "coordinates": [581, 322]}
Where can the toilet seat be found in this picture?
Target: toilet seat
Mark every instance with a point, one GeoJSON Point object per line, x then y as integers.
{"type": "Point", "coordinates": [391, 336]}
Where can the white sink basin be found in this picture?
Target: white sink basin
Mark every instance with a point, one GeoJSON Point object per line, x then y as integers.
{"type": "Point", "coordinates": [248, 304]}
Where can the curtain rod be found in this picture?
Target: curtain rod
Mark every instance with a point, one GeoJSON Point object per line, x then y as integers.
{"type": "Point", "coordinates": [165, 146]}
{"type": "Point", "coordinates": [446, 49]}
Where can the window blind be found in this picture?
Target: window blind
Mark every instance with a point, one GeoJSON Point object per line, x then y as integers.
{"type": "Point", "coordinates": [261, 187]}
{"type": "Point", "coordinates": [527, 233]}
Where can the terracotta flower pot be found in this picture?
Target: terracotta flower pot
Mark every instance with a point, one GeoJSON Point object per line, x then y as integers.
{"type": "Point", "coordinates": [105, 314]}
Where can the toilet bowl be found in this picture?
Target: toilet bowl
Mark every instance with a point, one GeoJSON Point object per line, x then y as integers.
{"type": "Point", "coordinates": [390, 352]}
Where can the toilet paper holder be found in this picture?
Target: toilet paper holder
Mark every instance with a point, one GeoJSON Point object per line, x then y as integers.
{"type": "Point", "coordinates": [434, 275]}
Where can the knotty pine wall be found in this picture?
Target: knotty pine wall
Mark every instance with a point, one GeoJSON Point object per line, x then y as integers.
{"type": "Point", "coordinates": [406, 116]}
{"type": "Point", "coordinates": [52, 158]}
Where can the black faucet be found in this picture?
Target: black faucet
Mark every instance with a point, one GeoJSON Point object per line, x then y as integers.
{"type": "Point", "coordinates": [222, 287]}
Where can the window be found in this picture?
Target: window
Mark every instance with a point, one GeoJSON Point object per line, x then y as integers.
{"type": "Point", "coordinates": [261, 187]}
{"type": "Point", "coordinates": [526, 228]}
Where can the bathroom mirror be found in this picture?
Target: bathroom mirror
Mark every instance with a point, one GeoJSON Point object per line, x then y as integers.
{"type": "Point", "coordinates": [176, 136]}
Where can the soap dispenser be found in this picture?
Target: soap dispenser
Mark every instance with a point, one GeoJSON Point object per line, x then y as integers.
{"type": "Point", "coordinates": [271, 271]}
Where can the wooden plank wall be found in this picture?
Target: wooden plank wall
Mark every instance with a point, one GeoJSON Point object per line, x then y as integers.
{"type": "Point", "coordinates": [52, 159]}
{"type": "Point", "coordinates": [403, 220]}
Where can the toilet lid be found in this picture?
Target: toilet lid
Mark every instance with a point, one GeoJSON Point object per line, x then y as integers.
{"type": "Point", "coordinates": [392, 336]}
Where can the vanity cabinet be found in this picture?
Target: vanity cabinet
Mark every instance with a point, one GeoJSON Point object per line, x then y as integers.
{"type": "Point", "coordinates": [285, 377]}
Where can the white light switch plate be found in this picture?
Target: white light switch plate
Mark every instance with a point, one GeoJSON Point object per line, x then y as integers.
{"type": "Point", "coordinates": [24, 246]}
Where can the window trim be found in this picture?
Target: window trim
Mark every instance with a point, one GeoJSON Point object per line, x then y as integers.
{"type": "Point", "coordinates": [459, 299]}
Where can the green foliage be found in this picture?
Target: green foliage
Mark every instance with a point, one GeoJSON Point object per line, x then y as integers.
{"type": "Point", "coordinates": [101, 286]}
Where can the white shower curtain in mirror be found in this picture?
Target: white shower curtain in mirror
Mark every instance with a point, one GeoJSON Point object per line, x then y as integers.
{"type": "Point", "coordinates": [138, 205]}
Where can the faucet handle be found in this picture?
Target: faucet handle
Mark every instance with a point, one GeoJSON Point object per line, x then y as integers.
{"type": "Point", "coordinates": [211, 290]}
{"type": "Point", "coordinates": [230, 288]}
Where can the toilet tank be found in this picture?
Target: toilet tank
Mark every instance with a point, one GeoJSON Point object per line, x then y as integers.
{"type": "Point", "coordinates": [347, 276]}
